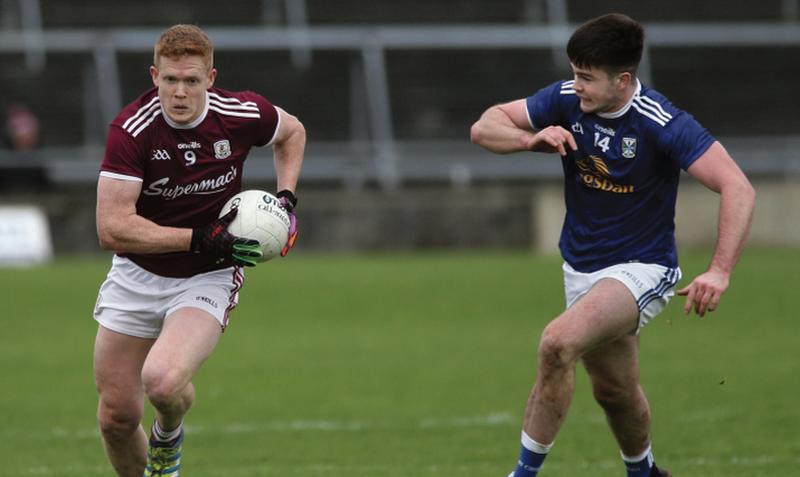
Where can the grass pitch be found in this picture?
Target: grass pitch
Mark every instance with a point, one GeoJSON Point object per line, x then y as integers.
{"type": "Point", "coordinates": [410, 365]}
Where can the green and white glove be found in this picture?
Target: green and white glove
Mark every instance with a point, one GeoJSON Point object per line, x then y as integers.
{"type": "Point", "coordinates": [214, 239]}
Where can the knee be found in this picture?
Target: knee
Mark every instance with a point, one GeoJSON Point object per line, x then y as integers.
{"type": "Point", "coordinates": [118, 420]}
{"type": "Point", "coordinates": [615, 397]}
{"type": "Point", "coordinates": [163, 387]}
{"type": "Point", "coordinates": [555, 351]}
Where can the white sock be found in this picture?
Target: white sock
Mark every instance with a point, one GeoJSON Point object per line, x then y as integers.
{"type": "Point", "coordinates": [166, 436]}
{"type": "Point", "coordinates": [533, 446]}
{"type": "Point", "coordinates": [638, 458]}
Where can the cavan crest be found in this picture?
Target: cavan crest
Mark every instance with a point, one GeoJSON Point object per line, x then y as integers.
{"type": "Point", "coordinates": [222, 149]}
{"type": "Point", "coordinates": [628, 147]}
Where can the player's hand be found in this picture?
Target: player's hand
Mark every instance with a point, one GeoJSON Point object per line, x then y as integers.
{"type": "Point", "coordinates": [214, 239]}
{"type": "Point", "coordinates": [289, 202]}
{"type": "Point", "coordinates": [554, 139]}
{"type": "Point", "coordinates": [704, 292]}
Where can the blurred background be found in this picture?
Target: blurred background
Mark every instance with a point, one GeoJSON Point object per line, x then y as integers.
{"type": "Point", "coordinates": [414, 355]}
{"type": "Point", "coordinates": [387, 91]}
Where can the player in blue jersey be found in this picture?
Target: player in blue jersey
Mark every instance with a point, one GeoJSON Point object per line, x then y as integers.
{"type": "Point", "coordinates": [622, 146]}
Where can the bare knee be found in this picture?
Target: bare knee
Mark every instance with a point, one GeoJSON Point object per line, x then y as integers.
{"type": "Point", "coordinates": [163, 387]}
{"type": "Point", "coordinates": [617, 397]}
{"type": "Point", "coordinates": [555, 351]}
{"type": "Point", "coordinates": [118, 421]}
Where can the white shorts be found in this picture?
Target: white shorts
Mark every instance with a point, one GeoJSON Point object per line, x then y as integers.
{"type": "Point", "coordinates": [652, 285]}
{"type": "Point", "coordinates": [135, 302]}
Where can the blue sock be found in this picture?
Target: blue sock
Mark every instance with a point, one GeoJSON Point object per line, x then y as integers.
{"type": "Point", "coordinates": [640, 465]}
{"type": "Point", "coordinates": [531, 457]}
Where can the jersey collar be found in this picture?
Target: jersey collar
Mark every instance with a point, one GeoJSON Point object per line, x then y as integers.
{"type": "Point", "coordinates": [621, 111]}
{"type": "Point", "coordinates": [192, 124]}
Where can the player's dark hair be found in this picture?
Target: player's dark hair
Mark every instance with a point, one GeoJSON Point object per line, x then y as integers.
{"type": "Point", "coordinates": [612, 42]}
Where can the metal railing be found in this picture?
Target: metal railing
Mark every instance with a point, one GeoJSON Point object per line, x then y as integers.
{"type": "Point", "coordinates": [371, 44]}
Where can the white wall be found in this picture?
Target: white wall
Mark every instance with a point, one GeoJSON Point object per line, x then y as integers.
{"type": "Point", "coordinates": [776, 221]}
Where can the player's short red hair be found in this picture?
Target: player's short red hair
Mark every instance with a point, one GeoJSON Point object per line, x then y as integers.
{"type": "Point", "coordinates": [182, 40]}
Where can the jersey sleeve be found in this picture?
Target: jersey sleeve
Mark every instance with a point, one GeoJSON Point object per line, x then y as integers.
{"type": "Point", "coordinates": [685, 140]}
{"type": "Point", "coordinates": [544, 107]}
{"type": "Point", "coordinates": [268, 124]}
{"type": "Point", "coordinates": [124, 155]}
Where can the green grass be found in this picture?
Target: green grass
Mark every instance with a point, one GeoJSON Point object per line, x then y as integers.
{"type": "Point", "coordinates": [410, 365]}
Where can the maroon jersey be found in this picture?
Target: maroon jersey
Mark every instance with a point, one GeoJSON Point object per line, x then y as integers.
{"type": "Point", "coordinates": [189, 171]}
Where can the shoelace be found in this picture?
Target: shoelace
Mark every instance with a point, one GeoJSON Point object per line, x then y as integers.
{"type": "Point", "coordinates": [161, 458]}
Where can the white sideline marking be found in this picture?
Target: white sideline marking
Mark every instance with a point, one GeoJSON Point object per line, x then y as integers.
{"type": "Point", "coordinates": [489, 420]}
{"type": "Point", "coordinates": [321, 425]}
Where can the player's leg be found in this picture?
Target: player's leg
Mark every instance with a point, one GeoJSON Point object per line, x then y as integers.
{"type": "Point", "coordinates": [614, 372]}
{"type": "Point", "coordinates": [614, 368]}
{"type": "Point", "coordinates": [603, 314]}
{"type": "Point", "coordinates": [118, 360]}
{"type": "Point", "coordinates": [195, 317]}
{"type": "Point", "coordinates": [186, 341]}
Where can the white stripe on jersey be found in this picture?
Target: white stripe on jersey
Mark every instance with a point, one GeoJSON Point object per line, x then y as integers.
{"type": "Point", "coordinates": [657, 106]}
{"type": "Point", "coordinates": [654, 111]}
{"type": "Point", "coordinates": [567, 87]}
{"type": "Point", "coordinates": [232, 100]}
{"type": "Point", "coordinates": [278, 126]}
{"type": "Point", "coordinates": [233, 107]}
{"type": "Point", "coordinates": [648, 114]}
{"type": "Point", "coordinates": [122, 177]}
{"type": "Point", "coordinates": [212, 106]}
{"type": "Point", "coordinates": [141, 111]}
{"type": "Point", "coordinates": [155, 114]}
{"type": "Point", "coordinates": [142, 118]}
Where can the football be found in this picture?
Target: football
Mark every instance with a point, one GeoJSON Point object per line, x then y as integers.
{"type": "Point", "coordinates": [261, 217]}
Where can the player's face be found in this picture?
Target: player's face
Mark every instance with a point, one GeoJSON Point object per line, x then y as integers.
{"type": "Point", "coordinates": [182, 85]}
{"type": "Point", "coordinates": [599, 91]}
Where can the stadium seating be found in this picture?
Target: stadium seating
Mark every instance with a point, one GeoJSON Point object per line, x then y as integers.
{"type": "Point", "coordinates": [405, 71]}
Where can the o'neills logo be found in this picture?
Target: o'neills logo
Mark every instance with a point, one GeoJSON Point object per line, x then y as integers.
{"type": "Point", "coordinates": [594, 173]}
{"type": "Point", "coordinates": [203, 187]}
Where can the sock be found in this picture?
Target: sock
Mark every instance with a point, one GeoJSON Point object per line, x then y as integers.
{"type": "Point", "coordinates": [639, 465]}
{"type": "Point", "coordinates": [531, 457]}
{"type": "Point", "coordinates": [161, 435]}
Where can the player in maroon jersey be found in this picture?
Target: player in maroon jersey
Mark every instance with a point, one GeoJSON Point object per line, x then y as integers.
{"type": "Point", "coordinates": [173, 158]}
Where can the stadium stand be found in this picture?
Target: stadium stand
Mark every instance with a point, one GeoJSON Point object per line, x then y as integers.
{"type": "Point", "coordinates": [388, 89]}
{"type": "Point", "coordinates": [434, 88]}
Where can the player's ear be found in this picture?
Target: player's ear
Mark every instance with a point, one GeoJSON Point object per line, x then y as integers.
{"type": "Point", "coordinates": [624, 79]}
{"type": "Point", "coordinates": [212, 75]}
{"type": "Point", "coordinates": [154, 75]}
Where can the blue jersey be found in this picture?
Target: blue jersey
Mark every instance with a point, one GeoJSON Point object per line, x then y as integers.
{"type": "Point", "coordinates": [620, 186]}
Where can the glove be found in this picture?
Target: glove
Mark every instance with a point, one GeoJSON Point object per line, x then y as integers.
{"type": "Point", "coordinates": [214, 239]}
{"type": "Point", "coordinates": [289, 202]}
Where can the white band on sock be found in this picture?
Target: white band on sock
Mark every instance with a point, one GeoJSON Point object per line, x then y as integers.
{"type": "Point", "coordinates": [161, 434]}
{"type": "Point", "coordinates": [534, 446]}
{"type": "Point", "coordinates": [638, 458]}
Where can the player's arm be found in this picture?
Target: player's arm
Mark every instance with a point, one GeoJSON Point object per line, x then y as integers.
{"type": "Point", "coordinates": [289, 147]}
{"type": "Point", "coordinates": [121, 229]}
{"type": "Point", "coordinates": [716, 170]}
{"type": "Point", "coordinates": [504, 128]}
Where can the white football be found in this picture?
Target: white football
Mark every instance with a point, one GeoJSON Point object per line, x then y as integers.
{"type": "Point", "coordinates": [261, 217]}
